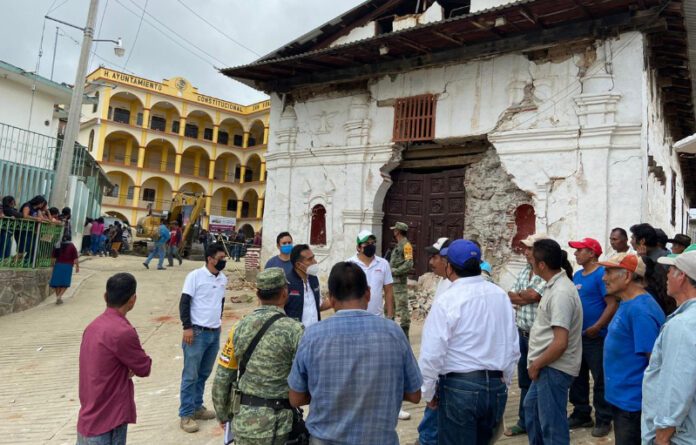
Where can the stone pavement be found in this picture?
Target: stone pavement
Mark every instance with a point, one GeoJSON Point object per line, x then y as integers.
{"type": "Point", "coordinates": [39, 362]}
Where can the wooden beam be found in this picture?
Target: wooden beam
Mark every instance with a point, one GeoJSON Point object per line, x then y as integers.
{"type": "Point", "coordinates": [326, 41]}
{"type": "Point", "coordinates": [446, 37]}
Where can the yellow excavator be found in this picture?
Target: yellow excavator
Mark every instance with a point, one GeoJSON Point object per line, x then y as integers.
{"type": "Point", "coordinates": [186, 208]}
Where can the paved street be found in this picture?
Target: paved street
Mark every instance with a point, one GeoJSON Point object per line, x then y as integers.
{"type": "Point", "coordinates": [39, 362]}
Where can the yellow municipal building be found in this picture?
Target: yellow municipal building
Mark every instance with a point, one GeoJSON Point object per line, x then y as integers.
{"type": "Point", "coordinates": [157, 139]}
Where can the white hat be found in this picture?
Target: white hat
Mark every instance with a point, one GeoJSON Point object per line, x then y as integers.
{"type": "Point", "coordinates": [364, 235]}
{"type": "Point", "coordinates": [686, 262]}
{"type": "Point", "coordinates": [439, 244]}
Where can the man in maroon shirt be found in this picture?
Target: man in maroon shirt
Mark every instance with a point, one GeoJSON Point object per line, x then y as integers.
{"type": "Point", "coordinates": [110, 355]}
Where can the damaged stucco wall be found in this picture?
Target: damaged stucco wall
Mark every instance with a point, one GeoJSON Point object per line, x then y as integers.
{"type": "Point", "coordinates": [567, 124]}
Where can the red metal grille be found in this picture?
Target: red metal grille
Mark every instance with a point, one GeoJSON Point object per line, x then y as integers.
{"type": "Point", "coordinates": [414, 118]}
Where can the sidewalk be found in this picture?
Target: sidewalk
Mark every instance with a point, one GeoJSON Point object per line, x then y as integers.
{"type": "Point", "coordinates": [39, 364]}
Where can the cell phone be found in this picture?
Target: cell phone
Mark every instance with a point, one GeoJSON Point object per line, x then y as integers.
{"type": "Point", "coordinates": [229, 434]}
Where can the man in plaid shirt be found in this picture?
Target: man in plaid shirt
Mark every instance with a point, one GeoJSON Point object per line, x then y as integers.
{"type": "Point", "coordinates": [525, 294]}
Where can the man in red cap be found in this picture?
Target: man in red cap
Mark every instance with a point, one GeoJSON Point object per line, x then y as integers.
{"type": "Point", "coordinates": [597, 310]}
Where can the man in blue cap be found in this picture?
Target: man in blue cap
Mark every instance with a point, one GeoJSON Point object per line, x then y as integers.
{"type": "Point", "coordinates": [470, 344]}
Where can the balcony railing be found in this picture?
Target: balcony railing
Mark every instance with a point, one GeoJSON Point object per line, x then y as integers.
{"type": "Point", "coordinates": [27, 243]}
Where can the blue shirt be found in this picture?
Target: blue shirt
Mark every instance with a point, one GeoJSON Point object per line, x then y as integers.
{"type": "Point", "coordinates": [632, 333]}
{"type": "Point", "coordinates": [592, 292]}
{"type": "Point", "coordinates": [669, 385]}
{"type": "Point", "coordinates": [277, 262]}
{"type": "Point", "coordinates": [357, 367]}
{"type": "Point", "coordinates": [164, 235]}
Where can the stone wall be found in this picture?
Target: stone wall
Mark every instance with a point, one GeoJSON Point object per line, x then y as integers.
{"type": "Point", "coordinates": [23, 289]}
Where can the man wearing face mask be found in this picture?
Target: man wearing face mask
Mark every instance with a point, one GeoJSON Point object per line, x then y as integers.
{"type": "Point", "coordinates": [304, 297]}
{"type": "Point", "coordinates": [378, 273]}
{"type": "Point", "coordinates": [282, 260]}
{"type": "Point", "coordinates": [200, 309]}
{"type": "Point", "coordinates": [401, 263]}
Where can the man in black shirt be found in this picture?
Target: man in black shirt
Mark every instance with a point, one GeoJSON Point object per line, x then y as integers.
{"type": "Point", "coordinates": [116, 238]}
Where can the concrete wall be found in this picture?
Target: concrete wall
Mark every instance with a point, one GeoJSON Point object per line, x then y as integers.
{"type": "Point", "coordinates": [23, 289]}
{"type": "Point", "coordinates": [17, 109]}
{"type": "Point", "coordinates": [567, 124]}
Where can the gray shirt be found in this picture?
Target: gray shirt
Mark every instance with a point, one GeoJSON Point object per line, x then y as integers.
{"type": "Point", "coordinates": [559, 306]}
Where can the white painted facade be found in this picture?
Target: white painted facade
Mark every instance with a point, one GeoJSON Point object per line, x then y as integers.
{"type": "Point", "coordinates": [574, 131]}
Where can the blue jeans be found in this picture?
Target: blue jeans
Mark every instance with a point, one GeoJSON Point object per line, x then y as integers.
{"type": "Point", "coordinates": [427, 429]}
{"type": "Point", "coordinates": [158, 250]}
{"type": "Point", "coordinates": [94, 243]}
{"type": "Point", "coordinates": [592, 362]}
{"type": "Point", "coordinates": [523, 380]}
{"type": "Point", "coordinates": [545, 408]}
{"type": "Point", "coordinates": [117, 436]}
{"type": "Point", "coordinates": [469, 409]}
{"type": "Point", "coordinates": [199, 359]}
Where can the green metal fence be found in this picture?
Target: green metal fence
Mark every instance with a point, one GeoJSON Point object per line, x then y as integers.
{"type": "Point", "coordinates": [27, 243]}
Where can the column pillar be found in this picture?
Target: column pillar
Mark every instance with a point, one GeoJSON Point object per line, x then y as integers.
{"type": "Point", "coordinates": [239, 210]}
{"type": "Point", "coordinates": [133, 114]}
{"type": "Point", "coordinates": [197, 164]}
{"type": "Point", "coordinates": [242, 173]}
{"type": "Point", "coordinates": [177, 165]}
{"type": "Point", "coordinates": [146, 118]}
{"type": "Point", "coordinates": [141, 156]}
{"type": "Point", "coordinates": [182, 125]}
{"type": "Point", "coordinates": [245, 140]}
{"type": "Point", "coordinates": [265, 135]}
{"type": "Point", "coordinates": [129, 152]}
{"type": "Point", "coordinates": [259, 209]}
{"type": "Point", "coordinates": [262, 174]}
{"type": "Point", "coordinates": [216, 130]}
{"type": "Point", "coordinates": [163, 158]}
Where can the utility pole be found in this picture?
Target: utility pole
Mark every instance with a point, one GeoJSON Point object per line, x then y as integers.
{"type": "Point", "coordinates": [59, 197]}
{"type": "Point", "coordinates": [55, 48]}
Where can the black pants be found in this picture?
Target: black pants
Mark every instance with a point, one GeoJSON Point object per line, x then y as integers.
{"type": "Point", "coordinates": [592, 361]}
{"type": "Point", "coordinates": [626, 426]}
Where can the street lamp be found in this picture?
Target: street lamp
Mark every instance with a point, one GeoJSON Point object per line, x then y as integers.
{"type": "Point", "coordinates": [59, 197]}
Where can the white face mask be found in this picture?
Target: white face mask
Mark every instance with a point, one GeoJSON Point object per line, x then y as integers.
{"type": "Point", "coordinates": [313, 270]}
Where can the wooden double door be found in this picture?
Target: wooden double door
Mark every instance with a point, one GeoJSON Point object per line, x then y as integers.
{"type": "Point", "coordinates": [431, 203]}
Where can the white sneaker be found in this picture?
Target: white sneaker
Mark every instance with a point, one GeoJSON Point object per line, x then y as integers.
{"type": "Point", "coordinates": [403, 415]}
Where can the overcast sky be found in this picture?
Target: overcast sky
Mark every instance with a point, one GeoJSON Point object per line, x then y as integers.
{"type": "Point", "coordinates": [166, 43]}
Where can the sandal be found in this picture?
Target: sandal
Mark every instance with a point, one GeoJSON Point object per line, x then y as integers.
{"type": "Point", "coordinates": [514, 431]}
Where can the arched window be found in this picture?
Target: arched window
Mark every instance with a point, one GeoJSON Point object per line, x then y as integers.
{"type": "Point", "coordinates": [318, 233]}
{"type": "Point", "coordinates": [525, 223]}
{"type": "Point", "coordinates": [90, 143]}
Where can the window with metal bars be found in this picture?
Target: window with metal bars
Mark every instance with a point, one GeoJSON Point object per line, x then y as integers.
{"type": "Point", "coordinates": [414, 118]}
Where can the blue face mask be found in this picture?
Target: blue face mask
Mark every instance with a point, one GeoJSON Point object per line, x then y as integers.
{"type": "Point", "coordinates": [286, 249]}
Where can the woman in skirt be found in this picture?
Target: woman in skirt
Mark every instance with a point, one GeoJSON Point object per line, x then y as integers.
{"type": "Point", "coordinates": [65, 258]}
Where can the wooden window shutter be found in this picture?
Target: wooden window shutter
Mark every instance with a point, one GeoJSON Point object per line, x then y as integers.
{"type": "Point", "coordinates": [414, 118]}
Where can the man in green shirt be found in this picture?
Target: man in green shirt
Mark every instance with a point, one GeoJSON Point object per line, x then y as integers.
{"type": "Point", "coordinates": [265, 415]}
{"type": "Point", "coordinates": [401, 263]}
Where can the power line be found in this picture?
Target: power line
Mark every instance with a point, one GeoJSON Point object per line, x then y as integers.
{"type": "Point", "coordinates": [218, 29]}
{"type": "Point", "coordinates": [208, 61]}
{"type": "Point", "coordinates": [101, 23]}
{"type": "Point", "coordinates": [51, 8]}
{"type": "Point", "coordinates": [94, 52]}
{"type": "Point", "coordinates": [137, 33]}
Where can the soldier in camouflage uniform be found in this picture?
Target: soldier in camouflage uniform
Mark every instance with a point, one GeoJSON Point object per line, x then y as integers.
{"type": "Point", "coordinates": [267, 370]}
{"type": "Point", "coordinates": [401, 263]}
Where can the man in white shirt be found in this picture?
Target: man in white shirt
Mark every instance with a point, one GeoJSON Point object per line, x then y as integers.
{"type": "Point", "coordinates": [618, 239]}
{"type": "Point", "coordinates": [470, 344]}
{"type": "Point", "coordinates": [305, 302]}
{"type": "Point", "coordinates": [378, 273]}
{"type": "Point", "coordinates": [200, 309]}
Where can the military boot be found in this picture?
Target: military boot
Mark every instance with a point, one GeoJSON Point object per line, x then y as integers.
{"type": "Point", "coordinates": [188, 424]}
{"type": "Point", "coordinates": [204, 413]}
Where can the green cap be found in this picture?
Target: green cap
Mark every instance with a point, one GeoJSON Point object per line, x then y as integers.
{"type": "Point", "coordinates": [400, 226]}
{"type": "Point", "coordinates": [271, 279]}
{"type": "Point", "coordinates": [365, 235]}
{"type": "Point", "coordinates": [688, 249]}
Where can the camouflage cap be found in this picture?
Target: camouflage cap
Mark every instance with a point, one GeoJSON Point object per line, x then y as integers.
{"type": "Point", "coordinates": [400, 226]}
{"type": "Point", "coordinates": [271, 279]}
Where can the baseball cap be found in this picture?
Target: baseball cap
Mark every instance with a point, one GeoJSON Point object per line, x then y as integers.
{"type": "Point", "coordinates": [460, 251]}
{"type": "Point", "coordinates": [627, 261]}
{"type": "Point", "coordinates": [400, 226]}
{"type": "Point", "coordinates": [486, 266]}
{"type": "Point", "coordinates": [531, 239]}
{"type": "Point", "coordinates": [681, 239]}
{"type": "Point", "coordinates": [589, 243]}
{"type": "Point", "coordinates": [271, 279]}
{"type": "Point", "coordinates": [686, 262]}
{"type": "Point", "coordinates": [364, 235]}
{"type": "Point", "coordinates": [440, 244]}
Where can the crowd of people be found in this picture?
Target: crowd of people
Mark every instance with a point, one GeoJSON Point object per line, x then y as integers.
{"type": "Point", "coordinates": [101, 240]}
{"type": "Point", "coordinates": [624, 317]}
